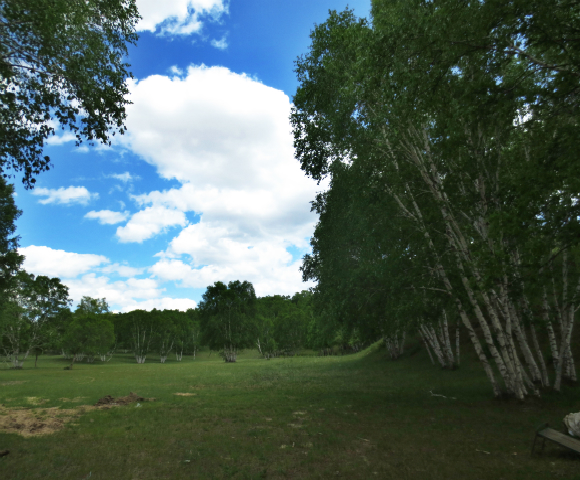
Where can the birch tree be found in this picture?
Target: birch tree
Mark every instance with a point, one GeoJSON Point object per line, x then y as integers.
{"type": "Point", "coordinates": [227, 316]}
{"type": "Point", "coordinates": [26, 317]}
{"type": "Point", "coordinates": [456, 113]}
{"type": "Point", "coordinates": [139, 332]}
{"type": "Point", "coordinates": [88, 334]}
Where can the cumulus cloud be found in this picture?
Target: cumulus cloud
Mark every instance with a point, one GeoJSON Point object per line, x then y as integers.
{"type": "Point", "coordinates": [42, 260]}
{"type": "Point", "coordinates": [121, 292]}
{"type": "Point", "coordinates": [213, 127]}
{"type": "Point", "coordinates": [149, 222]}
{"type": "Point", "coordinates": [122, 270]}
{"type": "Point", "coordinates": [216, 255]}
{"type": "Point", "coordinates": [126, 295]}
{"type": "Point", "coordinates": [178, 17]}
{"type": "Point", "coordinates": [226, 138]}
{"type": "Point", "coordinates": [65, 196]}
{"type": "Point", "coordinates": [107, 217]}
{"type": "Point", "coordinates": [87, 275]}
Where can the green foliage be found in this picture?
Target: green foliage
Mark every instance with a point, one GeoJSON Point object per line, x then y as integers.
{"type": "Point", "coordinates": [226, 317]}
{"type": "Point", "coordinates": [10, 260]}
{"type": "Point", "coordinates": [448, 130]}
{"type": "Point", "coordinates": [28, 319]}
{"type": "Point", "coordinates": [89, 334]}
{"type": "Point", "coordinates": [92, 306]}
{"type": "Point", "coordinates": [61, 62]}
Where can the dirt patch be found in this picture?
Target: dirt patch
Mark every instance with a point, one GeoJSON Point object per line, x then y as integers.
{"type": "Point", "coordinates": [108, 400]}
{"type": "Point", "coordinates": [16, 382]}
{"type": "Point", "coordinates": [186, 394]}
{"type": "Point", "coordinates": [37, 400]}
{"type": "Point", "coordinates": [72, 400]}
{"type": "Point", "coordinates": [30, 422]}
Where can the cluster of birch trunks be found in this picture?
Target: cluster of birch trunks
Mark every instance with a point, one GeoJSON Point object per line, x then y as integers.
{"type": "Point", "coordinates": [525, 308]}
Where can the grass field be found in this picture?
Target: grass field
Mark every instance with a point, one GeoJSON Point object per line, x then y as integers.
{"type": "Point", "coordinates": [358, 417]}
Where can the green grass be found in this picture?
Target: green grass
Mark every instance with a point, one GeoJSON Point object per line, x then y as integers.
{"type": "Point", "coordinates": [358, 417]}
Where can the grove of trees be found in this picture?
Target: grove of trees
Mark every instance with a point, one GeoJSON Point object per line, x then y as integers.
{"type": "Point", "coordinates": [448, 130]}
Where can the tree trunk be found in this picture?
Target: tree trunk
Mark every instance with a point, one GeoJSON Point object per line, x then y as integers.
{"type": "Point", "coordinates": [426, 346]}
{"type": "Point", "coordinates": [457, 345]}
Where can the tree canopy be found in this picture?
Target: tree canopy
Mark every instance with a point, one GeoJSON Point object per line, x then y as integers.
{"type": "Point", "coordinates": [226, 317]}
{"type": "Point", "coordinates": [448, 130]}
{"type": "Point", "coordinates": [10, 260]}
{"type": "Point", "coordinates": [62, 62]}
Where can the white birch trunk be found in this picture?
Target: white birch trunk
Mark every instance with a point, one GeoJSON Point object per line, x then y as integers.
{"type": "Point", "coordinates": [426, 346]}
{"type": "Point", "coordinates": [457, 345]}
{"type": "Point", "coordinates": [545, 378]}
{"type": "Point", "coordinates": [448, 349]}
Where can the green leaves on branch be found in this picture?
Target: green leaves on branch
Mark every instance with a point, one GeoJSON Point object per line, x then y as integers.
{"type": "Point", "coordinates": [448, 130]}
{"type": "Point", "coordinates": [62, 63]}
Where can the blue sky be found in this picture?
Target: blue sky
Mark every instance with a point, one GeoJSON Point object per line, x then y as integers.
{"type": "Point", "coordinates": [204, 186]}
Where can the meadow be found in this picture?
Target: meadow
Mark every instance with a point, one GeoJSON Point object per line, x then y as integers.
{"type": "Point", "coordinates": [357, 416]}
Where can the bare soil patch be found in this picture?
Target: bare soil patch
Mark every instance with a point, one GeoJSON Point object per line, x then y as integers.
{"type": "Point", "coordinates": [108, 400]}
{"type": "Point", "coordinates": [186, 394]}
{"type": "Point", "coordinates": [30, 422]}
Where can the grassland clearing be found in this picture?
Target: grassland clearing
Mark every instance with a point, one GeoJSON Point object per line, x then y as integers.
{"type": "Point", "coordinates": [358, 416]}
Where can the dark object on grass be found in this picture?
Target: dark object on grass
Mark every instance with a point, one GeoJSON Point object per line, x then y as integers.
{"type": "Point", "coordinates": [131, 398]}
{"type": "Point", "coordinates": [3, 453]}
{"type": "Point", "coordinates": [545, 432]}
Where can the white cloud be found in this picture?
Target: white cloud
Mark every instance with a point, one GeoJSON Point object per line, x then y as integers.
{"type": "Point", "coordinates": [79, 273]}
{"type": "Point", "coordinates": [227, 139]}
{"type": "Point", "coordinates": [124, 177]}
{"type": "Point", "coordinates": [121, 292]}
{"type": "Point", "coordinates": [127, 295]}
{"type": "Point", "coordinates": [213, 127]}
{"type": "Point", "coordinates": [178, 17]}
{"type": "Point", "coordinates": [66, 137]}
{"type": "Point", "coordinates": [221, 44]}
{"type": "Point", "coordinates": [65, 196]}
{"type": "Point", "coordinates": [175, 70]}
{"type": "Point", "coordinates": [122, 270]}
{"type": "Point", "coordinates": [108, 217]}
{"type": "Point", "coordinates": [149, 222]}
{"type": "Point", "coordinates": [215, 255]}
{"type": "Point", "coordinates": [58, 263]}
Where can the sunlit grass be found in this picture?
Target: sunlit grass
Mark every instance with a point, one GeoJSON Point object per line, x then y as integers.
{"type": "Point", "coordinates": [359, 416]}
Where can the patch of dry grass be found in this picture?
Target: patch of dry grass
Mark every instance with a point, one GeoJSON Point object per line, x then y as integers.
{"type": "Point", "coordinates": [31, 422]}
